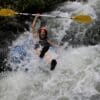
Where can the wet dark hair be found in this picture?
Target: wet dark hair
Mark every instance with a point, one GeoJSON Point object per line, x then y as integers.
{"type": "Point", "coordinates": [39, 31]}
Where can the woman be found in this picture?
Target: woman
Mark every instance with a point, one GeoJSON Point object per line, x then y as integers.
{"type": "Point", "coordinates": [43, 41]}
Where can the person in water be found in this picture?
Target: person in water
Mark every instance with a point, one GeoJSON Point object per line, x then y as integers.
{"type": "Point", "coordinates": [43, 41]}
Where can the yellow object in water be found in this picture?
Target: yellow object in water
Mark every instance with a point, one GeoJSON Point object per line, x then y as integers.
{"type": "Point", "coordinates": [7, 12]}
{"type": "Point", "coordinates": [86, 19]}
{"type": "Point", "coordinates": [83, 18]}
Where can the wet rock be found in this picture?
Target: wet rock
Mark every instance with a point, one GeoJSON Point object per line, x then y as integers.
{"type": "Point", "coordinates": [97, 87]}
{"type": "Point", "coordinates": [3, 55]}
{"type": "Point", "coordinates": [10, 29]}
{"type": "Point", "coordinates": [76, 37]}
{"type": "Point", "coordinates": [63, 98]}
{"type": "Point", "coordinates": [95, 97]}
{"type": "Point", "coordinates": [72, 37]}
{"type": "Point", "coordinates": [92, 36]}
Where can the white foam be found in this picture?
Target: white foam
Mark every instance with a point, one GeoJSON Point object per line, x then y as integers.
{"type": "Point", "coordinates": [77, 71]}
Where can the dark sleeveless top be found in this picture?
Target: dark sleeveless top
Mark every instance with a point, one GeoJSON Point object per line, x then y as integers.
{"type": "Point", "coordinates": [43, 43]}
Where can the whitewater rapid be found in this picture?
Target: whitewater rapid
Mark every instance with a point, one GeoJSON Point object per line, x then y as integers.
{"type": "Point", "coordinates": [76, 77]}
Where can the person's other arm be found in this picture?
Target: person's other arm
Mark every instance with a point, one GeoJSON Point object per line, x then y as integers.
{"type": "Point", "coordinates": [53, 43]}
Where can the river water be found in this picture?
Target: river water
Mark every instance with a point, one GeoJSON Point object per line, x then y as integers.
{"type": "Point", "coordinates": [77, 75]}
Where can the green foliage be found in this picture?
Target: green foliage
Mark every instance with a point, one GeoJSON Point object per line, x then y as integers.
{"type": "Point", "coordinates": [22, 5]}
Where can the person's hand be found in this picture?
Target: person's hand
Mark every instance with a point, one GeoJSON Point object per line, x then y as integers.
{"type": "Point", "coordinates": [37, 15]}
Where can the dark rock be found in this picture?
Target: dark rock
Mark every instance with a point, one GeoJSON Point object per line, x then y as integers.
{"type": "Point", "coordinates": [97, 87]}
{"type": "Point", "coordinates": [95, 97]}
{"type": "Point", "coordinates": [76, 37]}
{"type": "Point", "coordinates": [3, 56]}
{"type": "Point", "coordinates": [63, 98]}
{"type": "Point", "coordinates": [92, 36]}
{"type": "Point", "coordinates": [10, 29]}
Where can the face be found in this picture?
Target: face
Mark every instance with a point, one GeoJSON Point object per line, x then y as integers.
{"type": "Point", "coordinates": [42, 34]}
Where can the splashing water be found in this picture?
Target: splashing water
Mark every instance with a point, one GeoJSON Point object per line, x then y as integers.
{"type": "Point", "coordinates": [75, 77]}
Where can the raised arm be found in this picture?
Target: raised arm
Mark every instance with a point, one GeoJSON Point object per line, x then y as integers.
{"type": "Point", "coordinates": [34, 21]}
